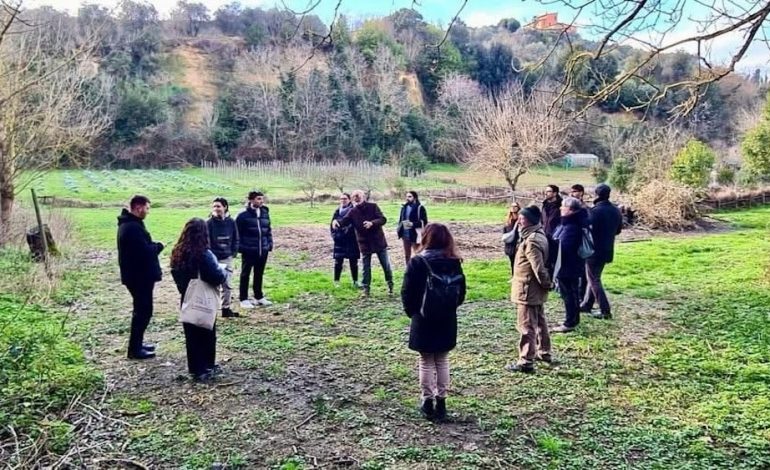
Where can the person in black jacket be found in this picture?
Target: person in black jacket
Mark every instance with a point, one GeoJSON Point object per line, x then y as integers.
{"type": "Point", "coordinates": [512, 225]}
{"type": "Point", "coordinates": [139, 271]}
{"type": "Point", "coordinates": [551, 220]}
{"type": "Point", "coordinates": [191, 258]}
{"type": "Point", "coordinates": [345, 243]}
{"type": "Point", "coordinates": [411, 222]}
{"type": "Point", "coordinates": [606, 223]}
{"type": "Point", "coordinates": [223, 237]}
{"type": "Point", "coordinates": [569, 265]}
{"type": "Point", "coordinates": [434, 335]}
{"type": "Point", "coordinates": [256, 242]}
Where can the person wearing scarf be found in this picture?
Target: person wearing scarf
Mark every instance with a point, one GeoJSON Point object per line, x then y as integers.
{"type": "Point", "coordinates": [529, 291]}
{"type": "Point", "coordinates": [345, 244]}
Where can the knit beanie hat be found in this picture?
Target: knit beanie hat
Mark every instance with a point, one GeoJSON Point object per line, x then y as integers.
{"type": "Point", "coordinates": [531, 213]}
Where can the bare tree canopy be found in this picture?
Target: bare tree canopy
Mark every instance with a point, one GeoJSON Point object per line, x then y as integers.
{"type": "Point", "coordinates": [512, 132]}
{"type": "Point", "coordinates": [51, 104]}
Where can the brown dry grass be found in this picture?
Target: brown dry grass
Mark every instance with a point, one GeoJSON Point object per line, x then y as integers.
{"type": "Point", "coordinates": [413, 90]}
{"type": "Point", "coordinates": [665, 205]}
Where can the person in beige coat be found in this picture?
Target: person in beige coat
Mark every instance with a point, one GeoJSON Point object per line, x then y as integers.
{"type": "Point", "coordinates": [529, 291]}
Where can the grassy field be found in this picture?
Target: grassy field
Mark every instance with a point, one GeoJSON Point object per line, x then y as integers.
{"type": "Point", "coordinates": [677, 380]}
{"type": "Point", "coordinates": [199, 186]}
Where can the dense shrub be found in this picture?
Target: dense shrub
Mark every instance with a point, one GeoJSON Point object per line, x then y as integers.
{"type": "Point", "coordinates": [413, 162]}
{"type": "Point", "coordinates": [620, 174]}
{"type": "Point", "coordinates": [756, 150]}
{"type": "Point", "coordinates": [693, 164]}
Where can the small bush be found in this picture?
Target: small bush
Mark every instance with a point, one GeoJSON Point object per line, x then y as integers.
{"type": "Point", "coordinates": [599, 173]}
{"type": "Point", "coordinates": [665, 205]}
{"type": "Point", "coordinates": [756, 150]}
{"type": "Point", "coordinates": [725, 175]}
{"type": "Point", "coordinates": [414, 162]}
{"type": "Point", "coordinates": [693, 164]}
{"type": "Point", "coordinates": [621, 174]}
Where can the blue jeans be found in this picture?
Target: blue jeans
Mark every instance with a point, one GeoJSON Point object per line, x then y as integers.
{"type": "Point", "coordinates": [384, 262]}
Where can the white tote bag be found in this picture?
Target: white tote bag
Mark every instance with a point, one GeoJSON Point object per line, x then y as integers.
{"type": "Point", "coordinates": [200, 304]}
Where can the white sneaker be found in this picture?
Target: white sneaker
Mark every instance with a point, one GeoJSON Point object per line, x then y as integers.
{"type": "Point", "coordinates": [336, 284]}
{"type": "Point", "coordinates": [264, 302]}
{"type": "Point", "coordinates": [247, 304]}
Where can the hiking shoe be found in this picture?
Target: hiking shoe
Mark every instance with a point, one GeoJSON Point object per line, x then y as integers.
{"type": "Point", "coordinates": [390, 289]}
{"type": "Point", "coordinates": [141, 355]}
{"type": "Point", "coordinates": [228, 313]}
{"type": "Point", "coordinates": [204, 378]}
{"type": "Point", "coordinates": [264, 302]}
{"type": "Point", "coordinates": [601, 316]}
{"type": "Point", "coordinates": [427, 409]}
{"type": "Point", "coordinates": [562, 329]}
{"type": "Point", "coordinates": [336, 284]}
{"type": "Point", "coordinates": [149, 347]}
{"type": "Point", "coordinates": [357, 285]}
{"type": "Point", "coordinates": [525, 368]}
{"type": "Point", "coordinates": [247, 304]}
{"type": "Point", "coordinates": [440, 412]}
{"type": "Point", "coordinates": [365, 291]}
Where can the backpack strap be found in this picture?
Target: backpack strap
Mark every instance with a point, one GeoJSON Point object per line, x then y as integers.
{"type": "Point", "coordinates": [427, 265]}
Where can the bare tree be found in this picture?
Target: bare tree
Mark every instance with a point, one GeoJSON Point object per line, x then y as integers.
{"type": "Point", "coordinates": [512, 132]}
{"type": "Point", "coordinates": [51, 103]}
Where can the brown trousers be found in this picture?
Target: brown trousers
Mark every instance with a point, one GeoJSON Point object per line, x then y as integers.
{"type": "Point", "coordinates": [409, 248]}
{"type": "Point", "coordinates": [535, 340]}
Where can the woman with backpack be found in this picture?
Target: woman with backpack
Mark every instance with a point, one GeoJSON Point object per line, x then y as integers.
{"type": "Point", "coordinates": [433, 288]}
{"type": "Point", "coordinates": [511, 233]}
{"type": "Point", "coordinates": [192, 259]}
{"type": "Point", "coordinates": [345, 243]}
{"type": "Point", "coordinates": [569, 265]}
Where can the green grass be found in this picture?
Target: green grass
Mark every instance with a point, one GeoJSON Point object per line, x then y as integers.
{"type": "Point", "coordinates": [677, 380]}
{"type": "Point", "coordinates": [197, 186]}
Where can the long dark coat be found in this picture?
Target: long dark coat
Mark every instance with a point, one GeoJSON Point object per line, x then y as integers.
{"type": "Point", "coordinates": [371, 240]}
{"type": "Point", "coordinates": [569, 236]}
{"type": "Point", "coordinates": [345, 243]}
{"type": "Point", "coordinates": [429, 335]}
{"type": "Point", "coordinates": [606, 224]}
{"type": "Point", "coordinates": [137, 253]}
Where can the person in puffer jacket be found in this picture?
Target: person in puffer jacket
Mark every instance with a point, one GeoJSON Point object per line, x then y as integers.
{"type": "Point", "coordinates": [223, 236]}
{"type": "Point", "coordinates": [256, 242]}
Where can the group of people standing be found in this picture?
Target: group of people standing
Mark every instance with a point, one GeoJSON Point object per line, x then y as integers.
{"type": "Point", "coordinates": [563, 246]}
{"type": "Point", "coordinates": [545, 248]}
{"type": "Point", "coordinates": [206, 250]}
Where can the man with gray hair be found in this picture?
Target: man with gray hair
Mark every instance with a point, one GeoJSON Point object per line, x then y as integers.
{"type": "Point", "coordinates": [606, 223]}
{"type": "Point", "coordinates": [367, 220]}
{"type": "Point", "coordinates": [569, 265]}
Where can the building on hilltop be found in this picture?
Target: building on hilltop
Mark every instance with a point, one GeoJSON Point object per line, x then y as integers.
{"type": "Point", "coordinates": [550, 22]}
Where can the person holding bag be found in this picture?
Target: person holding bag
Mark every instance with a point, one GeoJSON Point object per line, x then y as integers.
{"type": "Point", "coordinates": [433, 288]}
{"type": "Point", "coordinates": [198, 275]}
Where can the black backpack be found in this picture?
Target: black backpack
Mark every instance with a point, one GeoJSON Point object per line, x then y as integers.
{"type": "Point", "coordinates": [442, 292]}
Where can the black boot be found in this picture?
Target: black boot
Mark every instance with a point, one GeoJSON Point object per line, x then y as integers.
{"type": "Point", "coordinates": [440, 414]}
{"type": "Point", "coordinates": [390, 288]}
{"type": "Point", "coordinates": [142, 354]}
{"type": "Point", "coordinates": [427, 409]}
{"type": "Point", "coordinates": [228, 313]}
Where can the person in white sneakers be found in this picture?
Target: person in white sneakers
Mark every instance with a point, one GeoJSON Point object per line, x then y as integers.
{"type": "Point", "coordinates": [256, 242]}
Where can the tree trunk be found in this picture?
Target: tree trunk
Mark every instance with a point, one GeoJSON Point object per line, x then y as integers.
{"type": "Point", "coordinates": [6, 208]}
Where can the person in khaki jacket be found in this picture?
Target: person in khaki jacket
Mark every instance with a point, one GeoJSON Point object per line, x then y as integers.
{"type": "Point", "coordinates": [529, 291]}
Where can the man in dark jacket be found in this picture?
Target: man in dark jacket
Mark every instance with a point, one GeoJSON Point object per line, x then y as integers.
{"type": "Point", "coordinates": [255, 243]}
{"type": "Point", "coordinates": [551, 221]}
{"type": "Point", "coordinates": [367, 219]}
{"type": "Point", "coordinates": [223, 239]}
{"type": "Point", "coordinates": [606, 223]}
{"type": "Point", "coordinates": [570, 267]}
{"type": "Point", "coordinates": [139, 271]}
{"type": "Point", "coordinates": [411, 221]}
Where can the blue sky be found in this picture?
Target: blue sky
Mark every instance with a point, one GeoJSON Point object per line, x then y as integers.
{"type": "Point", "coordinates": [480, 13]}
